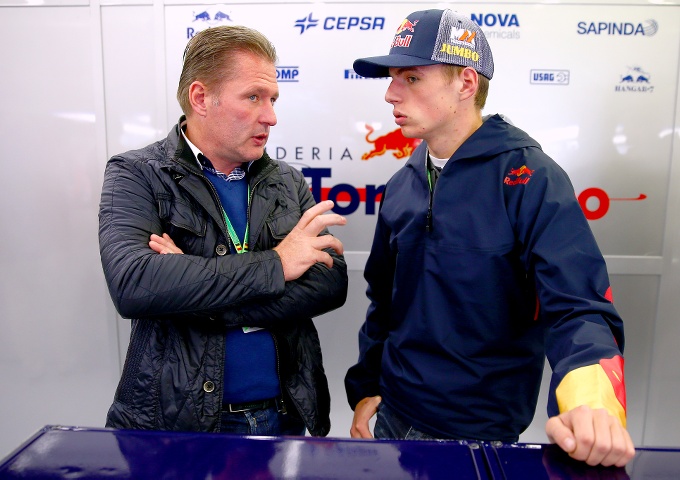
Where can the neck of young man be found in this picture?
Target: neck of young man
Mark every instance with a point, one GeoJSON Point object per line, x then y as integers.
{"type": "Point", "coordinates": [445, 145]}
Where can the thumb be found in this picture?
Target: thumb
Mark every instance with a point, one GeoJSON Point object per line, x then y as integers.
{"type": "Point", "coordinates": [559, 431]}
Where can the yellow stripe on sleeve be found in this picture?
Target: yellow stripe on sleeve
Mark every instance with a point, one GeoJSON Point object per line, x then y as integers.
{"type": "Point", "coordinates": [591, 386]}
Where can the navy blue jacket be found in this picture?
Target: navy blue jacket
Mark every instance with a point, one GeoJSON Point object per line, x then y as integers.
{"type": "Point", "coordinates": [463, 314]}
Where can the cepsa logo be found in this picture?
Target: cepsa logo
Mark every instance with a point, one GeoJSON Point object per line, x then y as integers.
{"type": "Point", "coordinates": [340, 23]}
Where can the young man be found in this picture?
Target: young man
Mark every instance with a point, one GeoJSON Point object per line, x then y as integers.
{"type": "Point", "coordinates": [222, 337]}
{"type": "Point", "coordinates": [482, 264]}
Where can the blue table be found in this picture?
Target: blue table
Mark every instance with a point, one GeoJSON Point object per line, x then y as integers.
{"type": "Point", "coordinates": [71, 452]}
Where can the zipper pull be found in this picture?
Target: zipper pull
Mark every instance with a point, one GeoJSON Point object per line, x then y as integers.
{"type": "Point", "coordinates": [428, 227]}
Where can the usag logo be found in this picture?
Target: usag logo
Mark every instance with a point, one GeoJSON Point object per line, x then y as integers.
{"type": "Point", "coordinates": [549, 77]}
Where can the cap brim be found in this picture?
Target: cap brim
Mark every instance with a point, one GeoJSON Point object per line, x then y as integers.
{"type": "Point", "coordinates": [377, 67]}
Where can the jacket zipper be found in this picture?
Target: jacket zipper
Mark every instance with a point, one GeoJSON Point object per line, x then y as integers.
{"type": "Point", "coordinates": [284, 411]}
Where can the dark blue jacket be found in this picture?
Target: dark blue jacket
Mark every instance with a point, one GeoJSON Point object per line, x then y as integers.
{"type": "Point", "coordinates": [463, 314]}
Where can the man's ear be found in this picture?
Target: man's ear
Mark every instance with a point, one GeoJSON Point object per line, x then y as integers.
{"type": "Point", "coordinates": [198, 97]}
{"type": "Point", "coordinates": [470, 83]}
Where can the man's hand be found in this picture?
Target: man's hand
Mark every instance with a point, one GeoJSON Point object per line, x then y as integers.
{"type": "Point", "coordinates": [363, 412]}
{"type": "Point", "coordinates": [302, 247]}
{"type": "Point", "coordinates": [163, 244]}
{"type": "Point", "coordinates": [591, 436]}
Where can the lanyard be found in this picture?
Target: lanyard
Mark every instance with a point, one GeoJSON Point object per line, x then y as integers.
{"type": "Point", "coordinates": [240, 248]}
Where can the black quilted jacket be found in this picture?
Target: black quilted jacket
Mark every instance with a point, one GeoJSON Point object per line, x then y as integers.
{"type": "Point", "coordinates": [180, 305]}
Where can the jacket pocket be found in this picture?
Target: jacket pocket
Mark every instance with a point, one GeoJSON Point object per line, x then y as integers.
{"type": "Point", "coordinates": [181, 214]}
{"type": "Point", "coordinates": [186, 225]}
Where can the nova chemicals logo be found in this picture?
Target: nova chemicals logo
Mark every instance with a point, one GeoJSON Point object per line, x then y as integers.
{"type": "Point", "coordinates": [648, 28]}
{"type": "Point", "coordinates": [504, 26]}
{"type": "Point", "coordinates": [635, 80]}
{"type": "Point", "coordinates": [549, 77]}
{"type": "Point", "coordinates": [287, 74]}
{"type": "Point", "coordinates": [341, 23]}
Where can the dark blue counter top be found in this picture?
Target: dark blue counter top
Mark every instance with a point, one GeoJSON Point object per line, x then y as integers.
{"type": "Point", "coordinates": [71, 452]}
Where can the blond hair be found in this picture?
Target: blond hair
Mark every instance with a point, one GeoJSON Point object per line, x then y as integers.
{"type": "Point", "coordinates": [210, 53]}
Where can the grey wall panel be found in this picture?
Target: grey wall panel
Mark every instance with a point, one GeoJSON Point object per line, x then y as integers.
{"type": "Point", "coordinates": [58, 350]}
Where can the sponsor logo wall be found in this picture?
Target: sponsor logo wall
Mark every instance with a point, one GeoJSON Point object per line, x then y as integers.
{"type": "Point", "coordinates": [595, 89]}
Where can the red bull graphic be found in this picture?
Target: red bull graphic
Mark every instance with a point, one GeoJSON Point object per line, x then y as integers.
{"type": "Point", "coordinates": [603, 202]}
{"type": "Point", "coordinates": [406, 25]}
{"type": "Point", "coordinates": [394, 140]}
{"type": "Point", "coordinates": [521, 175]}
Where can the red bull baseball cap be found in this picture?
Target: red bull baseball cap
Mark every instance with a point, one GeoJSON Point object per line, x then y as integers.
{"type": "Point", "coordinates": [429, 37]}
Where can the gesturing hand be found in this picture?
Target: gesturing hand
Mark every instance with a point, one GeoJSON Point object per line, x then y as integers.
{"type": "Point", "coordinates": [302, 247]}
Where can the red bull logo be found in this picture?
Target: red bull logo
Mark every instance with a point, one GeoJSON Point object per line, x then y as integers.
{"type": "Point", "coordinates": [395, 140]}
{"type": "Point", "coordinates": [521, 175]}
{"type": "Point", "coordinates": [406, 25]}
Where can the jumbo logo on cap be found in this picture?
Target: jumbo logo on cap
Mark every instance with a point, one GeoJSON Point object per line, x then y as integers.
{"type": "Point", "coordinates": [400, 41]}
{"type": "Point", "coordinates": [464, 38]}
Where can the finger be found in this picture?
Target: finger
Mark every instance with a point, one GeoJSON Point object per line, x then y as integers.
{"type": "Point", "coordinates": [328, 241]}
{"type": "Point", "coordinates": [313, 212]}
{"type": "Point", "coordinates": [320, 222]}
{"type": "Point", "coordinates": [559, 432]}
{"type": "Point", "coordinates": [601, 444]}
{"type": "Point", "coordinates": [622, 448]}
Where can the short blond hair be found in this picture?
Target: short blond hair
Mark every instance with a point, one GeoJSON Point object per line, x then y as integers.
{"type": "Point", "coordinates": [453, 71]}
{"type": "Point", "coordinates": [210, 53]}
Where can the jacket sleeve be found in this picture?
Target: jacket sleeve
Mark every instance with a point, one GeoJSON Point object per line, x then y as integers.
{"type": "Point", "coordinates": [583, 332]}
{"type": "Point", "coordinates": [363, 379]}
{"type": "Point", "coordinates": [144, 284]}
{"type": "Point", "coordinates": [317, 291]}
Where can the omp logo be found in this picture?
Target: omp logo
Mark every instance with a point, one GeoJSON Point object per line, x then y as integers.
{"type": "Point", "coordinates": [394, 140]}
{"type": "Point", "coordinates": [341, 23]}
{"type": "Point", "coordinates": [648, 28]}
{"type": "Point", "coordinates": [549, 77]}
{"type": "Point", "coordinates": [287, 74]}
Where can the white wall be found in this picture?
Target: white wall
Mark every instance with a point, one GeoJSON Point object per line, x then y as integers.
{"type": "Point", "coordinates": [83, 80]}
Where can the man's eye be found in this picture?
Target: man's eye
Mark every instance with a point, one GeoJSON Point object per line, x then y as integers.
{"type": "Point", "coordinates": [253, 97]}
{"type": "Point", "coordinates": [411, 79]}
